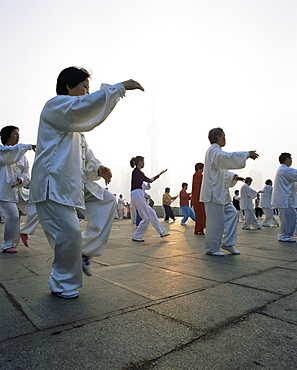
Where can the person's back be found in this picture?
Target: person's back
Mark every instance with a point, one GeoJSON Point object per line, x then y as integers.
{"type": "Point", "coordinates": [247, 194]}
{"type": "Point", "coordinates": [265, 201]}
{"type": "Point", "coordinates": [284, 189]}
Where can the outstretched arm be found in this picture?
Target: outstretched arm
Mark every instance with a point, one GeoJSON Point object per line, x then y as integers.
{"type": "Point", "coordinates": [157, 176]}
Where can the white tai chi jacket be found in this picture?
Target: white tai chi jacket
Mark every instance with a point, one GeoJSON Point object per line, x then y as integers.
{"type": "Point", "coordinates": [216, 179]}
{"type": "Point", "coordinates": [64, 166]}
{"type": "Point", "coordinates": [13, 165]}
{"type": "Point", "coordinates": [284, 193]}
{"type": "Point", "coordinates": [247, 195]}
{"type": "Point", "coordinates": [265, 201]}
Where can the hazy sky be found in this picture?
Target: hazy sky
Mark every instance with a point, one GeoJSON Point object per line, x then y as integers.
{"type": "Point", "coordinates": [203, 63]}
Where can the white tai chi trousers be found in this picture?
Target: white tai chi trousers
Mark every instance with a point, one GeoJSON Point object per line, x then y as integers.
{"type": "Point", "coordinates": [146, 213]}
{"type": "Point", "coordinates": [269, 217]}
{"type": "Point", "coordinates": [10, 214]}
{"type": "Point", "coordinates": [221, 226]}
{"type": "Point", "coordinates": [288, 223]}
{"type": "Point", "coordinates": [250, 219]}
{"type": "Point", "coordinates": [31, 220]}
{"type": "Point", "coordinates": [62, 229]}
{"type": "Point", "coordinates": [99, 215]}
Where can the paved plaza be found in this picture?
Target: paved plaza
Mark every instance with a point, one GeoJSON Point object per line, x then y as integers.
{"type": "Point", "coordinates": [162, 304]}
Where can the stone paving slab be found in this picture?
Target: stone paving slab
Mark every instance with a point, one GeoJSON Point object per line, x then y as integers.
{"type": "Point", "coordinates": [46, 310]}
{"type": "Point", "coordinates": [214, 306]}
{"type": "Point", "coordinates": [258, 342]}
{"type": "Point", "coordinates": [11, 268]}
{"type": "Point", "coordinates": [158, 304]}
{"type": "Point", "coordinates": [14, 322]}
{"type": "Point", "coordinates": [278, 280]}
{"type": "Point", "coordinates": [284, 309]}
{"type": "Point", "coordinates": [213, 268]}
{"type": "Point", "coordinates": [112, 343]}
{"type": "Point", "coordinates": [151, 281]}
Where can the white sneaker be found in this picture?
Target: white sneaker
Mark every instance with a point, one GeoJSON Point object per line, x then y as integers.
{"type": "Point", "coordinates": [230, 249]}
{"type": "Point", "coordinates": [164, 233]}
{"type": "Point", "coordinates": [167, 221]}
{"type": "Point", "coordinates": [289, 240]}
{"type": "Point", "coordinates": [246, 228]}
{"type": "Point", "coordinates": [183, 223]}
{"type": "Point", "coordinates": [68, 295]}
{"type": "Point", "coordinates": [138, 239]}
{"type": "Point", "coordinates": [86, 265]}
{"type": "Point", "coordinates": [220, 254]}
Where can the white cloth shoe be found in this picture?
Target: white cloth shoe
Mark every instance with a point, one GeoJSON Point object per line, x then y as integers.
{"type": "Point", "coordinates": [219, 254]}
{"type": "Point", "coordinates": [164, 233]}
{"type": "Point", "coordinates": [86, 265]}
{"type": "Point", "coordinates": [67, 295]}
{"type": "Point", "coordinates": [230, 249]}
{"type": "Point", "coordinates": [138, 239]}
{"type": "Point", "coordinates": [289, 240]}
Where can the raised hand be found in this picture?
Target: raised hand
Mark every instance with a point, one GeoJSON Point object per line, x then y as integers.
{"type": "Point", "coordinates": [132, 85]}
{"type": "Point", "coordinates": [253, 154]}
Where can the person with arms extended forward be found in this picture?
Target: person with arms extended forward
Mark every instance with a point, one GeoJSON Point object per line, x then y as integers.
{"type": "Point", "coordinates": [63, 173]}
{"type": "Point", "coordinates": [221, 216]}
{"type": "Point", "coordinates": [147, 213]}
{"type": "Point", "coordinates": [14, 175]}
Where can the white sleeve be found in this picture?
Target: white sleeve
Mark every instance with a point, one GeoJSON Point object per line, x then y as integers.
{"type": "Point", "coordinates": [12, 154]}
{"type": "Point", "coordinates": [228, 161]}
{"type": "Point", "coordinates": [82, 113]}
{"type": "Point", "coordinates": [24, 176]}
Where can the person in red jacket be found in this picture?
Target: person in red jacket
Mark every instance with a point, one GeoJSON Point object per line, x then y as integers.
{"type": "Point", "coordinates": [184, 199]}
{"type": "Point", "coordinates": [197, 205]}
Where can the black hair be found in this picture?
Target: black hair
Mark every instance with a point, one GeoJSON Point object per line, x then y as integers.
{"type": "Point", "coordinates": [268, 182]}
{"type": "Point", "coordinates": [167, 190]}
{"type": "Point", "coordinates": [248, 180]}
{"type": "Point", "coordinates": [213, 133]}
{"type": "Point", "coordinates": [6, 132]}
{"type": "Point", "coordinates": [70, 77]}
{"type": "Point", "coordinates": [282, 158]}
{"type": "Point", "coordinates": [135, 160]}
{"type": "Point", "coordinates": [199, 166]}
{"type": "Point", "coordinates": [184, 184]}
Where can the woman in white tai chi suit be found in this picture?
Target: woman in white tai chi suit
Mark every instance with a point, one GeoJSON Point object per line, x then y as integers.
{"type": "Point", "coordinates": [63, 175]}
{"type": "Point", "coordinates": [147, 213]}
{"type": "Point", "coordinates": [221, 215]}
{"type": "Point", "coordinates": [14, 175]}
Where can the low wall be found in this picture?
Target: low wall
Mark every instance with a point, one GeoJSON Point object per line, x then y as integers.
{"type": "Point", "coordinates": [160, 211]}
